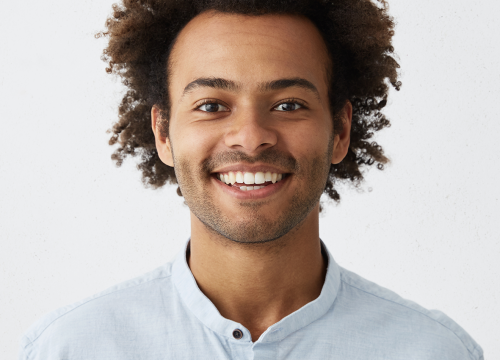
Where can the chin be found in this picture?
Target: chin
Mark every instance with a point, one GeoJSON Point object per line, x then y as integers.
{"type": "Point", "coordinates": [258, 231]}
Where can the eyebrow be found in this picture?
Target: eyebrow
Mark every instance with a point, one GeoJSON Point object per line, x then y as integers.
{"type": "Point", "coordinates": [223, 84]}
{"type": "Point", "coordinates": [287, 83]}
{"type": "Point", "coordinates": [216, 83]}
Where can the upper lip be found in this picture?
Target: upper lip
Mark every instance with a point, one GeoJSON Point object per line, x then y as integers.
{"type": "Point", "coordinates": [254, 168]}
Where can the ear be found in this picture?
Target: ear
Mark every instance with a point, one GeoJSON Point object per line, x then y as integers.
{"type": "Point", "coordinates": [163, 145]}
{"type": "Point", "coordinates": [342, 140]}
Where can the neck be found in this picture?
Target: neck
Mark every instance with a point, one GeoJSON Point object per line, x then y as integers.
{"type": "Point", "coordinates": [257, 285]}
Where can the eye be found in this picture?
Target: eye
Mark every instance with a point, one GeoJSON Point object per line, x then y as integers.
{"type": "Point", "coordinates": [288, 106]}
{"type": "Point", "coordinates": [212, 107]}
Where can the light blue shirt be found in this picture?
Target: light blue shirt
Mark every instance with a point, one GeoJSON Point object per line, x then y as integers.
{"type": "Point", "coordinates": [164, 315]}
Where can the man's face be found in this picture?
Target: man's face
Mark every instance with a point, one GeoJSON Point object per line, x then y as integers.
{"type": "Point", "coordinates": [249, 102]}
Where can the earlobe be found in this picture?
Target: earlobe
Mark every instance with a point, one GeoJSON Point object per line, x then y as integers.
{"type": "Point", "coordinates": [163, 146]}
{"type": "Point", "coordinates": [342, 140]}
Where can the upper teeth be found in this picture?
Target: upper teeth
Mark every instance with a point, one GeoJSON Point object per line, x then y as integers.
{"type": "Point", "coordinates": [249, 178]}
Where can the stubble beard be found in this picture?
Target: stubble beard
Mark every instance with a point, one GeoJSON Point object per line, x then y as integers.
{"type": "Point", "coordinates": [256, 228]}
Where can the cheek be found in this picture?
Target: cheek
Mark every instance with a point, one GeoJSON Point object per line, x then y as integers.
{"type": "Point", "coordinates": [194, 140]}
{"type": "Point", "coordinates": [311, 138]}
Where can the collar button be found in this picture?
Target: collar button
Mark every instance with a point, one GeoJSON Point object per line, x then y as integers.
{"type": "Point", "coordinates": [237, 334]}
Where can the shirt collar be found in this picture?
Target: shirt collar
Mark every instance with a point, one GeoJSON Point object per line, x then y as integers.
{"type": "Point", "coordinates": [208, 314]}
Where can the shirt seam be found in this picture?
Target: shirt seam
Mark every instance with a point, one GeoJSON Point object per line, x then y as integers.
{"type": "Point", "coordinates": [86, 302]}
{"type": "Point", "coordinates": [23, 349]}
{"type": "Point", "coordinates": [280, 339]}
{"type": "Point", "coordinates": [407, 307]}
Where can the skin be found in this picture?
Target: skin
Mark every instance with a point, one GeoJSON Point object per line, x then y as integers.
{"type": "Point", "coordinates": [256, 257]}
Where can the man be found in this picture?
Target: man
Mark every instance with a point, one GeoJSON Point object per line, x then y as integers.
{"type": "Point", "coordinates": [255, 109]}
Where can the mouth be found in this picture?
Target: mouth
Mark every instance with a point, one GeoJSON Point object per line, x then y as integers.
{"type": "Point", "coordinates": [249, 181]}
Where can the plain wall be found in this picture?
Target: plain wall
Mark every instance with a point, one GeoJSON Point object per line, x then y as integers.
{"type": "Point", "coordinates": [72, 224]}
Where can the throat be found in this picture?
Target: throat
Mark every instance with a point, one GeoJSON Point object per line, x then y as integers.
{"type": "Point", "coordinates": [258, 286]}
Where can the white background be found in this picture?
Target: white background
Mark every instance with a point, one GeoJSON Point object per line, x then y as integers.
{"type": "Point", "coordinates": [72, 224]}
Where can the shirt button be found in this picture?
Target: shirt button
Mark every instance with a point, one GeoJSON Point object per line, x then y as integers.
{"type": "Point", "coordinates": [237, 334]}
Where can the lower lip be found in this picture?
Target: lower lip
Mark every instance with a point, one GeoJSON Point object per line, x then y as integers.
{"type": "Point", "coordinates": [266, 191]}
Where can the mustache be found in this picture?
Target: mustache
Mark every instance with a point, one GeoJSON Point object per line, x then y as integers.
{"type": "Point", "coordinates": [269, 156]}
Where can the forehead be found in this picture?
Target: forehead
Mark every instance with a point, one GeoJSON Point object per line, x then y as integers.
{"type": "Point", "coordinates": [249, 49]}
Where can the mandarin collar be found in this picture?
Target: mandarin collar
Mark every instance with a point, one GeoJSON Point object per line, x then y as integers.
{"type": "Point", "coordinates": [207, 313]}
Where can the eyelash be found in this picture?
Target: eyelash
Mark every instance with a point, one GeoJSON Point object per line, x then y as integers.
{"type": "Point", "coordinates": [208, 101]}
{"type": "Point", "coordinates": [291, 100]}
{"type": "Point", "coordinates": [285, 101]}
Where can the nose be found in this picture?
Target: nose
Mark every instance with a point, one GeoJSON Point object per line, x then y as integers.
{"type": "Point", "coordinates": [251, 132]}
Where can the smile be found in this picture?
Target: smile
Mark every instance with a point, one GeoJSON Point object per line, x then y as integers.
{"type": "Point", "coordinates": [248, 181]}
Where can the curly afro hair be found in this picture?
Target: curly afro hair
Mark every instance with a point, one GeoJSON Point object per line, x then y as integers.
{"type": "Point", "coordinates": [358, 35]}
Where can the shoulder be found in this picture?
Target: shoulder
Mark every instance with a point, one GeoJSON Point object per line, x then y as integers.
{"type": "Point", "coordinates": [101, 313]}
{"type": "Point", "coordinates": [385, 312]}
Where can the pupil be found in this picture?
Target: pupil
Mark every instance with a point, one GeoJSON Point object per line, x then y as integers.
{"type": "Point", "coordinates": [288, 106]}
{"type": "Point", "coordinates": [212, 107]}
